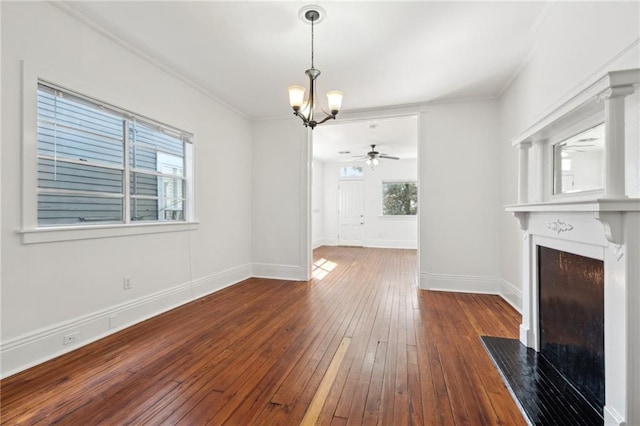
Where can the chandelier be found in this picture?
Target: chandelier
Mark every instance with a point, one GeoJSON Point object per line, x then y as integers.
{"type": "Point", "coordinates": [305, 108]}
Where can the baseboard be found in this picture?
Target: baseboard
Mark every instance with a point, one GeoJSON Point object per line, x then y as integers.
{"type": "Point", "coordinates": [279, 272]}
{"type": "Point", "coordinates": [394, 244]}
{"type": "Point", "coordinates": [612, 417]}
{"type": "Point", "coordinates": [323, 242]}
{"type": "Point", "coordinates": [473, 284]}
{"type": "Point", "coordinates": [211, 284]}
{"type": "Point", "coordinates": [460, 283]}
{"type": "Point", "coordinates": [512, 295]}
{"type": "Point", "coordinates": [34, 348]}
{"type": "Point", "coordinates": [399, 244]}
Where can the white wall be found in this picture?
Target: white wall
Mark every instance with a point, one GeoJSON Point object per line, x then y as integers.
{"type": "Point", "coordinates": [280, 178]}
{"type": "Point", "coordinates": [578, 42]}
{"type": "Point", "coordinates": [51, 289]}
{"type": "Point", "coordinates": [459, 197]}
{"type": "Point", "coordinates": [317, 203]}
{"type": "Point", "coordinates": [379, 231]}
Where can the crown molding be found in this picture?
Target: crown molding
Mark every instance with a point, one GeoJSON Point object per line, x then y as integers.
{"type": "Point", "coordinates": [189, 81]}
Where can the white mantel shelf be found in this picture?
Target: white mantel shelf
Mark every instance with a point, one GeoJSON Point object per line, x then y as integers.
{"type": "Point", "coordinates": [599, 205]}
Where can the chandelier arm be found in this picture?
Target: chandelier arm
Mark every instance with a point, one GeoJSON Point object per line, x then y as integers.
{"type": "Point", "coordinates": [312, 94]}
{"type": "Point", "coordinates": [328, 117]}
{"type": "Point", "coordinates": [302, 117]}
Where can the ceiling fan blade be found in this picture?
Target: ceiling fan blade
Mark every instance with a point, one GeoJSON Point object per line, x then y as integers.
{"type": "Point", "coordinates": [388, 157]}
{"type": "Point", "coordinates": [360, 156]}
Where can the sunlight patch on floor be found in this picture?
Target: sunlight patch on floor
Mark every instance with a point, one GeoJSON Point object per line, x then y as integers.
{"type": "Point", "coordinates": [322, 268]}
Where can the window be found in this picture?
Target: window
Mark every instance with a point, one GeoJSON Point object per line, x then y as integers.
{"type": "Point", "coordinates": [99, 164]}
{"type": "Point", "coordinates": [351, 171]}
{"type": "Point", "coordinates": [399, 198]}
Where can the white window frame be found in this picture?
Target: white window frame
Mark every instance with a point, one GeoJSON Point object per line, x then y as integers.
{"type": "Point", "coordinates": [30, 230]}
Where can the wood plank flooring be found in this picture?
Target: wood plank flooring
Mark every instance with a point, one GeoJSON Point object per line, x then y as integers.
{"type": "Point", "coordinates": [259, 353]}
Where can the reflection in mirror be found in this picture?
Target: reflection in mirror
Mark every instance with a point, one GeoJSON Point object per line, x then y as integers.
{"type": "Point", "coordinates": [578, 162]}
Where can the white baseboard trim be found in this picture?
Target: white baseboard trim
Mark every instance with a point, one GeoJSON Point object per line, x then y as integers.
{"type": "Point", "coordinates": [511, 294]}
{"type": "Point", "coordinates": [459, 283]}
{"type": "Point", "coordinates": [473, 284]}
{"type": "Point", "coordinates": [399, 244]}
{"type": "Point", "coordinates": [395, 244]}
{"type": "Point", "coordinates": [612, 417]}
{"type": "Point", "coordinates": [34, 348]}
{"type": "Point", "coordinates": [323, 242]}
{"type": "Point", "coordinates": [279, 272]}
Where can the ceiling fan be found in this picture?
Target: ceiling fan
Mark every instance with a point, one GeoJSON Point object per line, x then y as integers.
{"type": "Point", "coordinates": [373, 157]}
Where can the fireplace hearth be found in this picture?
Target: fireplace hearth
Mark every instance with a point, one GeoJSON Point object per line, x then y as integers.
{"type": "Point", "coordinates": [544, 396]}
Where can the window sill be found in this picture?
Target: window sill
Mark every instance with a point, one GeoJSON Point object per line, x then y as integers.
{"type": "Point", "coordinates": [70, 233]}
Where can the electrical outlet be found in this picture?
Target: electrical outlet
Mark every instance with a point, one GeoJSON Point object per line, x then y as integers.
{"type": "Point", "coordinates": [127, 283]}
{"type": "Point", "coordinates": [67, 339]}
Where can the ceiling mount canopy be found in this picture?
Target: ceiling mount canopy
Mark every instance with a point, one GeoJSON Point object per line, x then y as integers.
{"type": "Point", "coordinates": [304, 108]}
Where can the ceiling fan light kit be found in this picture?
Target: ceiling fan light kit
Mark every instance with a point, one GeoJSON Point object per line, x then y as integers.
{"type": "Point", "coordinates": [305, 108]}
{"type": "Point", "coordinates": [373, 157]}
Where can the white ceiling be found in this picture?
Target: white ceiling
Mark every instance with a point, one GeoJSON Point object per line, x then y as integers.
{"type": "Point", "coordinates": [378, 53]}
{"type": "Point", "coordinates": [397, 137]}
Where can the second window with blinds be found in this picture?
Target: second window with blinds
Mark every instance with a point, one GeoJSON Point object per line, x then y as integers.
{"type": "Point", "coordinates": [98, 164]}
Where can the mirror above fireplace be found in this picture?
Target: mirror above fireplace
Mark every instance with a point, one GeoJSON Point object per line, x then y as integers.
{"type": "Point", "coordinates": [578, 162]}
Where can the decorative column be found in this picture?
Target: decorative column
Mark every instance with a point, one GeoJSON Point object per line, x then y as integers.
{"type": "Point", "coordinates": [614, 118]}
{"type": "Point", "coordinates": [523, 175]}
{"type": "Point", "coordinates": [537, 174]}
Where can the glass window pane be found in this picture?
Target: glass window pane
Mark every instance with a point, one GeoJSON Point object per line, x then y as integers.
{"type": "Point", "coordinates": [144, 158]}
{"type": "Point", "coordinates": [79, 177]}
{"type": "Point", "coordinates": [70, 111]}
{"type": "Point", "coordinates": [144, 184]}
{"type": "Point", "coordinates": [351, 171]}
{"type": "Point", "coordinates": [54, 209]}
{"type": "Point", "coordinates": [399, 198]}
{"type": "Point", "coordinates": [171, 187]}
{"type": "Point", "coordinates": [172, 209]}
{"type": "Point", "coordinates": [144, 209]}
{"type": "Point", "coordinates": [73, 130]}
{"type": "Point", "coordinates": [155, 138]}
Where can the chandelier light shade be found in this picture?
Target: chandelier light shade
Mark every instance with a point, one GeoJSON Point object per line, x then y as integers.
{"type": "Point", "coordinates": [305, 108]}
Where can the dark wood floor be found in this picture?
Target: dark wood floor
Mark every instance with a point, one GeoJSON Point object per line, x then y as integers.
{"type": "Point", "coordinates": [257, 353]}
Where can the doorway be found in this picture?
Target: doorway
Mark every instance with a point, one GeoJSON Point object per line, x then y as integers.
{"type": "Point", "coordinates": [349, 212]}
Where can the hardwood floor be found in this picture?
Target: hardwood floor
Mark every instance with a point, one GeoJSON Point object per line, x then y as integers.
{"type": "Point", "coordinates": [360, 341]}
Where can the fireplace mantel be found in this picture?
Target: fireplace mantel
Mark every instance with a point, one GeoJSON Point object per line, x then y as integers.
{"type": "Point", "coordinates": [603, 224]}
{"type": "Point", "coordinates": [606, 211]}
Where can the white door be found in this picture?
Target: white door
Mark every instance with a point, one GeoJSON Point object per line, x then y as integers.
{"type": "Point", "coordinates": [351, 222]}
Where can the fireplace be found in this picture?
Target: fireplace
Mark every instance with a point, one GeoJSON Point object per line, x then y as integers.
{"type": "Point", "coordinates": [571, 319]}
{"type": "Point", "coordinates": [580, 268]}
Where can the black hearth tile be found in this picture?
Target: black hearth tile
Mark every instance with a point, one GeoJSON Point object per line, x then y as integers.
{"type": "Point", "coordinates": [544, 396]}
